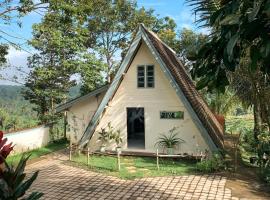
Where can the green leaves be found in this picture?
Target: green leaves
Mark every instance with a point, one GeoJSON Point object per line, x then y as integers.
{"type": "Point", "coordinates": [238, 28]}
{"type": "Point", "coordinates": [255, 10]}
{"type": "Point", "coordinates": [13, 183]}
{"type": "Point", "coordinates": [232, 19]}
{"type": "Point", "coordinates": [231, 44]}
{"type": "Point", "coordinates": [171, 140]}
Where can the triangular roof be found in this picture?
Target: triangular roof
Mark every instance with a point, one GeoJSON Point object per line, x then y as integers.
{"type": "Point", "coordinates": [174, 70]}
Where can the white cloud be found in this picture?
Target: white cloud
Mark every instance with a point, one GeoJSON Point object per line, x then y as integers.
{"type": "Point", "coordinates": [17, 57]}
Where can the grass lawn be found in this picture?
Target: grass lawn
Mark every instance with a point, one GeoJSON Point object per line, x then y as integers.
{"type": "Point", "coordinates": [55, 146]}
{"type": "Point", "coordinates": [135, 167]}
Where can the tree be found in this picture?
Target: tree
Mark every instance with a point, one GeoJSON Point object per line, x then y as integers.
{"type": "Point", "coordinates": [10, 12]}
{"type": "Point", "coordinates": [112, 25]}
{"type": "Point", "coordinates": [60, 44]}
{"type": "Point", "coordinates": [222, 103]}
{"type": "Point", "coordinates": [253, 90]}
{"type": "Point", "coordinates": [188, 46]}
{"type": "Point", "coordinates": [90, 73]}
{"type": "Point", "coordinates": [238, 26]}
{"type": "Point", "coordinates": [238, 48]}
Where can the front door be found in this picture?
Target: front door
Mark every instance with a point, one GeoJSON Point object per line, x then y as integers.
{"type": "Point", "coordinates": [135, 128]}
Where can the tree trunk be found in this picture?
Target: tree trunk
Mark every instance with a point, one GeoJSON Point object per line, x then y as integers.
{"type": "Point", "coordinates": [257, 119]}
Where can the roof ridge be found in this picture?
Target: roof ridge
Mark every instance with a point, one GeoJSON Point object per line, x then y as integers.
{"type": "Point", "coordinates": [156, 36]}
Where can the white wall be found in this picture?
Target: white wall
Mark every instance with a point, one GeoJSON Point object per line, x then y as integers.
{"type": "Point", "coordinates": [162, 97]}
{"type": "Point", "coordinates": [79, 115]}
{"type": "Point", "coordinates": [29, 139]}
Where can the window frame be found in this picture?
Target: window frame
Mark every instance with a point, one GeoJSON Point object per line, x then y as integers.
{"type": "Point", "coordinates": [141, 76]}
{"type": "Point", "coordinates": [145, 66]}
{"type": "Point", "coordinates": [153, 76]}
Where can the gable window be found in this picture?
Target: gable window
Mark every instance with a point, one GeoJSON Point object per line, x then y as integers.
{"type": "Point", "coordinates": [145, 76]}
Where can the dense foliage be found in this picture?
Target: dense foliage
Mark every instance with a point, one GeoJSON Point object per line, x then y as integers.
{"type": "Point", "coordinates": [13, 183]}
{"type": "Point", "coordinates": [238, 28]}
{"type": "Point", "coordinates": [12, 179]}
{"type": "Point", "coordinates": [15, 112]}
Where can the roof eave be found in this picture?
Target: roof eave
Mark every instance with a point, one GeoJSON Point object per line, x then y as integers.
{"type": "Point", "coordinates": [67, 105]}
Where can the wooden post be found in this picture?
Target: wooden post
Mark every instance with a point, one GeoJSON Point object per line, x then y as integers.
{"type": "Point", "coordinates": [88, 156]}
{"type": "Point", "coordinates": [65, 125]}
{"type": "Point", "coordinates": [70, 150]}
{"type": "Point", "coordinates": [118, 161]}
{"type": "Point", "coordinates": [157, 161]}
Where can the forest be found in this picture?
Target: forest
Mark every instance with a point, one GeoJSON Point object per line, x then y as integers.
{"type": "Point", "coordinates": [16, 112]}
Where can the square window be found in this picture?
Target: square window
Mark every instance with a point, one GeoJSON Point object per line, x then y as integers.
{"type": "Point", "coordinates": [145, 76]}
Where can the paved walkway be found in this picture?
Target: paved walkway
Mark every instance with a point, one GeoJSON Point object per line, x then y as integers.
{"type": "Point", "coordinates": [60, 181]}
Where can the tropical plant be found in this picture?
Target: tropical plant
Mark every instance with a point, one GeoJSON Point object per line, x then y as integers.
{"type": "Point", "coordinates": [264, 149]}
{"type": "Point", "coordinates": [13, 185]}
{"type": "Point", "coordinates": [253, 89]}
{"type": "Point", "coordinates": [264, 156]}
{"type": "Point", "coordinates": [5, 150]}
{"type": "Point", "coordinates": [106, 134]}
{"type": "Point", "coordinates": [221, 103]}
{"type": "Point", "coordinates": [117, 138]}
{"type": "Point", "coordinates": [238, 27]}
{"type": "Point", "coordinates": [12, 180]}
{"type": "Point", "coordinates": [170, 140]}
{"type": "Point", "coordinates": [214, 164]}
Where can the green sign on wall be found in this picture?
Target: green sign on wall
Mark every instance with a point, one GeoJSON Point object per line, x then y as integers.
{"type": "Point", "coordinates": [171, 115]}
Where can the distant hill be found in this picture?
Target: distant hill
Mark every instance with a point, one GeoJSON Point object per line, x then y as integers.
{"type": "Point", "coordinates": [10, 92]}
{"type": "Point", "coordinates": [17, 113]}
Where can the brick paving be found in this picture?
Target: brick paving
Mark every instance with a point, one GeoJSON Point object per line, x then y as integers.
{"type": "Point", "coordinates": [60, 181]}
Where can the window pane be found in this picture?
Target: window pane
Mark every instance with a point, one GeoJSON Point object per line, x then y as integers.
{"type": "Point", "coordinates": [150, 76]}
{"type": "Point", "coordinates": [150, 70]}
{"type": "Point", "coordinates": [140, 76]}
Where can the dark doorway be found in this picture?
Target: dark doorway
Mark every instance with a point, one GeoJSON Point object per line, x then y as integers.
{"type": "Point", "coordinates": [135, 128]}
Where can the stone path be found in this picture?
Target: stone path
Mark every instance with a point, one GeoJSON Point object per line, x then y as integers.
{"type": "Point", "coordinates": [60, 181]}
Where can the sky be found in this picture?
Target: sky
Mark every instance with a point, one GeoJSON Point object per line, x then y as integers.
{"type": "Point", "coordinates": [176, 9]}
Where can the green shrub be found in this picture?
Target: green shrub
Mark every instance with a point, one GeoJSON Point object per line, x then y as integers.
{"type": "Point", "coordinates": [265, 175]}
{"type": "Point", "coordinates": [214, 164]}
{"type": "Point", "coordinates": [248, 140]}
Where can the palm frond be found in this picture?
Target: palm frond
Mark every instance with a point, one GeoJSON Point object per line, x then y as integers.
{"type": "Point", "coordinates": [204, 9]}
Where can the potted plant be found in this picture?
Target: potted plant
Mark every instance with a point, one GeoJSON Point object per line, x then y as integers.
{"type": "Point", "coordinates": [169, 141]}
{"type": "Point", "coordinates": [118, 140]}
{"type": "Point", "coordinates": [104, 137]}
